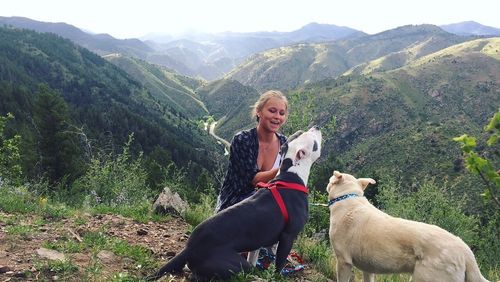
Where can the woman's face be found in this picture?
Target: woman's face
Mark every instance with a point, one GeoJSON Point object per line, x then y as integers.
{"type": "Point", "coordinates": [273, 114]}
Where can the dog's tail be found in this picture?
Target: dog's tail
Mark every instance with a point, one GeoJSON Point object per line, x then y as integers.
{"type": "Point", "coordinates": [472, 272]}
{"type": "Point", "coordinates": [175, 265]}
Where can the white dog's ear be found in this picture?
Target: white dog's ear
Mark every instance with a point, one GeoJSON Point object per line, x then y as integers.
{"type": "Point", "coordinates": [338, 177]}
{"type": "Point", "coordinates": [365, 181]}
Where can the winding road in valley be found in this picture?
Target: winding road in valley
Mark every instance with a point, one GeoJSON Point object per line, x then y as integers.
{"type": "Point", "coordinates": [220, 139]}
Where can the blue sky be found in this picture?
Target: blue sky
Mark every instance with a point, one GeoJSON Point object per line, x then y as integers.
{"type": "Point", "coordinates": [129, 19]}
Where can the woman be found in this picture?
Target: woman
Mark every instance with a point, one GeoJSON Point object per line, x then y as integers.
{"type": "Point", "coordinates": [254, 154]}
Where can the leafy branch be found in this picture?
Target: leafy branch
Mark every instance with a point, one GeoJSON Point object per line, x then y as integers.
{"type": "Point", "coordinates": [481, 165]}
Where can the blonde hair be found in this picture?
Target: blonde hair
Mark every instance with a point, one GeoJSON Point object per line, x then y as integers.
{"type": "Point", "coordinates": [257, 107]}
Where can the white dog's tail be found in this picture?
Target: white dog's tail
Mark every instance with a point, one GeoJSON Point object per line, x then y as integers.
{"type": "Point", "coordinates": [472, 272]}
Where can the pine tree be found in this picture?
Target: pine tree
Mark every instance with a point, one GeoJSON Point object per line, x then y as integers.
{"type": "Point", "coordinates": [59, 155]}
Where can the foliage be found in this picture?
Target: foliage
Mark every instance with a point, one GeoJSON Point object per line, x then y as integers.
{"type": "Point", "coordinates": [10, 168]}
{"type": "Point", "coordinates": [197, 213]}
{"type": "Point", "coordinates": [319, 253]}
{"type": "Point", "coordinates": [301, 114]}
{"type": "Point", "coordinates": [430, 204]}
{"type": "Point", "coordinates": [483, 166]}
{"type": "Point", "coordinates": [102, 106]}
{"type": "Point", "coordinates": [319, 214]}
{"type": "Point", "coordinates": [19, 199]}
{"type": "Point", "coordinates": [114, 180]}
{"type": "Point", "coordinates": [191, 191]}
{"type": "Point", "coordinates": [58, 150]}
{"type": "Point", "coordinates": [63, 269]}
{"type": "Point", "coordinates": [140, 212]}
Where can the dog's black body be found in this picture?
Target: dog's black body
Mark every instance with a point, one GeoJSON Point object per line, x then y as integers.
{"type": "Point", "coordinates": [214, 247]}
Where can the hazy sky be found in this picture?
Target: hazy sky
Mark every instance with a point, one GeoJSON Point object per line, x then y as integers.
{"type": "Point", "coordinates": [128, 19]}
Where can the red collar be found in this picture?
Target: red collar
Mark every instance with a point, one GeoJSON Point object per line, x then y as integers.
{"type": "Point", "coordinates": [274, 186]}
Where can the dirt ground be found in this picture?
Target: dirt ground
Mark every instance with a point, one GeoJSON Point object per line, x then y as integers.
{"type": "Point", "coordinates": [25, 253]}
{"type": "Point", "coordinates": [21, 252]}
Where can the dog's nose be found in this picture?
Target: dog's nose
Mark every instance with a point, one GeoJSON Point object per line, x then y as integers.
{"type": "Point", "coordinates": [315, 127]}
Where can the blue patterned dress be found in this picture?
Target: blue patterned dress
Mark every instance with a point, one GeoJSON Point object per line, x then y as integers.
{"type": "Point", "coordinates": [241, 169]}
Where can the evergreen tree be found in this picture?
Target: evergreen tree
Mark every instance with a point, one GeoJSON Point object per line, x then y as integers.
{"type": "Point", "coordinates": [57, 147]}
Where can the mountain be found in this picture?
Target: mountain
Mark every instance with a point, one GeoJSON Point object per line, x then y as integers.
{"type": "Point", "coordinates": [106, 103]}
{"type": "Point", "coordinates": [166, 86]}
{"type": "Point", "coordinates": [290, 66]}
{"type": "Point", "coordinates": [229, 102]}
{"type": "Point", "coordinates": [207, 56]}
{"type": "Point", "coordinates": [213, 55]}
{"type": "Point", "coordinates": [101, 44]}
{"type": "Point", "coordinates": [401, 122]}
{"type": "Point", "coordinates": [315, 32]}
{"type": "Point", "coordinates": [471, 28]}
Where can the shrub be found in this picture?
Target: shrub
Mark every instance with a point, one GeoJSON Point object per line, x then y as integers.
{"type": "Point", "coordinates": [319, 215]}
{"type": "Point", "coordinates": [10, 164]}
{"type": "Point", "coordinates": [199, 212]}
{"type": "Point", "coordinates": [430, 204]}
{"type": "Point", "coordinates": [114, 181]}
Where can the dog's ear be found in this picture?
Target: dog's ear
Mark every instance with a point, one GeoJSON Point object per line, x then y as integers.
{"type": "Point", "coordinates": [365, 181]}
{"type": "Point", "coordinates": [338, 177]}
{"type": "Point", "coordinates": [299, 155]}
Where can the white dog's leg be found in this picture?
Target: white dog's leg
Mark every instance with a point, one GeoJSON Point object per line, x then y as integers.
{"type": "Point", "coordinates": [252, 257]}
{"type": "Point", "coordinates": [368, 277]}
{"type": "Point", "coordinates": [343, 271]}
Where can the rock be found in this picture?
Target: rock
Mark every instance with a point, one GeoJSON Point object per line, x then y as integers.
{"type": "Point", "coordinates": [107, 257]}
{"type": "Point", "coordinates": [20, 274]}
{"type": "Point", "coordinates": [169, 203]}
{"type": "Point", "coordinates": [50, 254]}
{"type": "Point", "coordinates": [4, 269]}
{"type": "Point", "coordinates": [142, 232]}
{"type": "Point", "coordinates": [321, 235]}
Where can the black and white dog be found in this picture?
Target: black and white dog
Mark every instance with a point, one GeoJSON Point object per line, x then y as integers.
{"type": "Point", "coordinates": [275, 214]}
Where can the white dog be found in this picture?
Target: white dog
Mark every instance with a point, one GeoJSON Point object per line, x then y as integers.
{"type": "Point", "coordinates": [375, 242]}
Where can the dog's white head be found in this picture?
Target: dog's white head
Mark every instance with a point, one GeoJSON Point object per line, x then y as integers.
{"type": "Point", "coordinates": [342, 183]}
{"type": "Point", "coordinates": [300, 152]}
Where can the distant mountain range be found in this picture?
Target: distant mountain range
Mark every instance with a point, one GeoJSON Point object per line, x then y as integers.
{"type": "Point", "coordinates": [398, 97]}
{"type": "Point", "coordinates": [105, 102]}
{"type": "Point", "coordinates": [294, 65]}
{"type": "Point", "coordinates": [471, 28]}
{"type": "Point", "coordinates": [207, 56]}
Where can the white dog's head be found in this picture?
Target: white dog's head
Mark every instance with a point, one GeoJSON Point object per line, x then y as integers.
{"type": "Point", "coordinates": [300, 152]}
{"type": "Point", "coordinates": [343, 183]}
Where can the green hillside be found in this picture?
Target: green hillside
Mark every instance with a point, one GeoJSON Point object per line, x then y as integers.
{"type": "Point", "coordinates": [104, 102]}
{"type": "Point", "coordinates": [290, 66]}
{"type": "Point", "coordinates": [168, 87]}
{"type": "Point", "coordinates": [229, 102]}
{"type": "Point", "coordinates": [402, 122]}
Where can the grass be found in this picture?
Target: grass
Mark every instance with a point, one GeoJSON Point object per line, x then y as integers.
{"type": "Point", "coordinates": [141, 213]}
{"type": "Point", "coordinates": [20, 207]}
{"type": "Point", "coordinates": [142, 256]}
{"type": "Point", "coordinates": [318, 253]}
{"type": "Point", "coordinates": [20, 200]}
{"type": "Point", "coordinates": [198, 213]}
{"type": "Point", "coordinates": [22, 231]}
{"type": "Point", "coordinates": [64, 270]}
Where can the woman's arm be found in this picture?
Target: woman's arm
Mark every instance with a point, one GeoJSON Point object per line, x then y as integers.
{"type": "Point", "coordinates": [264, 176]}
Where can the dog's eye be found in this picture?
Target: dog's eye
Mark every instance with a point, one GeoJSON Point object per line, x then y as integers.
{"type": "Point", "coordinates": [315, 146]}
